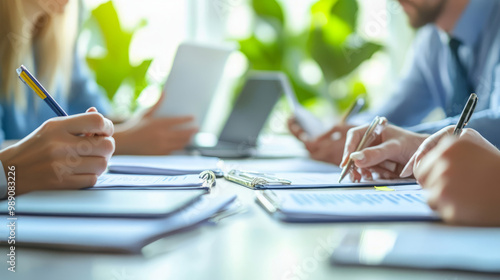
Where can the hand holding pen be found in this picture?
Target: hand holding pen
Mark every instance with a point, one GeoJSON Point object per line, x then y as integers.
{"type": "Point", "coordinates": [68, 152]}
{"type": "Point", "coordinates": [433, 140]}
{"type": "Point", "coordinates": [372, 132]}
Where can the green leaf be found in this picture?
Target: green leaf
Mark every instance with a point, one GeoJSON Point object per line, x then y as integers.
{"type": "Point", "coordinates": [262, 56]}
{"type": "Point", "coordinates": [347, 11]}
{"type": "Point", "coordinates": [269, 10]}
{"type": "Point", "coordinates": [115, 37]}
{"type": "Point", "coordinates": [337, 61]}
{"type": "Point", "coordinates": [138, 74]}
{"type": "Point", "coordinates": [114, 68]}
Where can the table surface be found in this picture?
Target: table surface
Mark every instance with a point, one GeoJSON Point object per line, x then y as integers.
{"type": "Point", "coordinates": [249, 245]}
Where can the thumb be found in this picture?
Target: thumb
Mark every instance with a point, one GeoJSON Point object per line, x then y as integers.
{"type": "Point", "coordinates": [408, 169]}
{"type": "Point", "coordinates": [91, 109]}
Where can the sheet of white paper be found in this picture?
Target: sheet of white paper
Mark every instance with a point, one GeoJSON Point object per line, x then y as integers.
{"type": "Point", "coordinates": [310, 123]}
{"type": "Point", "coordinates": [353, 205]}
{"type": "Point", "coordinates": [281, 165]}
{"type": "Point", "coordinates": [332, 180]}
{"type": "Point", "coordinates": [162, 165]}
{"type": "Point", "coordinates": [124, 180]}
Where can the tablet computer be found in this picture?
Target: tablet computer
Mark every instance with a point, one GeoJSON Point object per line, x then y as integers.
{"type": "Point", "coordinates": [193, 80]}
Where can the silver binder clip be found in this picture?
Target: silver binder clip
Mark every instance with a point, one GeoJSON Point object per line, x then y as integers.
{"type": "Point", "coordinates": [209, 179]}
{"type": "Point", "coordinates": [255, 180]}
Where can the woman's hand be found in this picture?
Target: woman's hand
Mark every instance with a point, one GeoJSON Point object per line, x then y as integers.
{"type": "Point", "coordinates": [63, 153]}
{"type": "Point", "coordinates": [387, 154]}
{"type": "Point", "coordinates": [462, 181]}
{"type": "Point", "coordinates": [149, 135]}
{"type": "Point", "coordinates": [327, 147]}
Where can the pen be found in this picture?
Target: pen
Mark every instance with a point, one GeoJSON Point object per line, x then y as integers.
{"type": "Point", "coordinates": [356, 106]}
{"type": "Point", "coordinates": [26, 77]}
{"type": "Point", "coordinates": [376, 127]}
{"type": "Point", "coordinates": [466, 114]}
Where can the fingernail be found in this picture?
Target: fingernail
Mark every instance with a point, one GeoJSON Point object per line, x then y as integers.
{"type": "Point", "coordinates": [304, 137]}
{"type": "Point", "coordinates": [336, 136]}
{"type": "Point", "coordinates": [358, 156]}
{"type": "Point", "coordinates": [403, 172]}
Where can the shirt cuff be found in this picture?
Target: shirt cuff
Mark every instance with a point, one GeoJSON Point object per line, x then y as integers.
{"type": "Point", "coordinates": [3, 182]}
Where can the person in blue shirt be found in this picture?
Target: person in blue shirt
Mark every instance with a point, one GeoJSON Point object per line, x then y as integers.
{"type": "Point", "coordinates": [41, 35]}
{"type": "Point", "coordinates": [456, 52]}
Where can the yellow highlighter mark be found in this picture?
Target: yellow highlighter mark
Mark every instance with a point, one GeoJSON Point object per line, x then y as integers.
{"type": "Point", "coordinates": [384, 189]}
{"type": "Point", "coordinates": [33, 86]}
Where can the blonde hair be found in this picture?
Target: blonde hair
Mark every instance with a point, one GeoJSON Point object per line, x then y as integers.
{"type": "Point", "coordinates": [53, 42]}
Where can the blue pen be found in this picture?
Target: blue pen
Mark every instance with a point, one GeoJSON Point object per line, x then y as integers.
{"type": "Point", "coordinates": [26, 77]}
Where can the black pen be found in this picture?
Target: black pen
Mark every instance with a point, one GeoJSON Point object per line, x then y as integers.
{"type": "Point", "coordinates": [466, 114]}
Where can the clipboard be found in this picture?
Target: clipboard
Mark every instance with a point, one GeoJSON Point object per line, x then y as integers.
{"type": "Point", "coordinates": [204, 181]}
{"type": "Point", "coordinates": [302, 180]}
{"type": "Point", "coordinates": [255, 180]}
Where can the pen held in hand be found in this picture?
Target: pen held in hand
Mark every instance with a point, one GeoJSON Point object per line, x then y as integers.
{"type": "Point", "coordinates": [461, 123]}
{"type": "Point", "coordinates": [466, 114]}
{"type": "Point", "coordinates": [26, 77]}
{"type": "Point", "coordinates": [376, 127]}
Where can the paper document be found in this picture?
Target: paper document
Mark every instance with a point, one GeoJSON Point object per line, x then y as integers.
{"type": "Point", "coordinates": [104, 203]}
{"type": "Point", "coordinates": [163, 165]}
{"type": "Point", "coordinates": [318, 180]}
{"type": "Point", "coordinates": [122, 235]}
{"type": "Point", "coordinates": [281, 165]}
{"type": "Point", "coordinates": [126, 181]}
{"type": "Point", "coordinates": [347, 205]}
{"type": "Point", "coordinates": [302, 180]}
{"type": "Point", "coordinates": [429, 247]}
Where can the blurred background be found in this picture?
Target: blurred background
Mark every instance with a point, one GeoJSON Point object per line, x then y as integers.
{"type": "Point", "coordinates": [332, 50]}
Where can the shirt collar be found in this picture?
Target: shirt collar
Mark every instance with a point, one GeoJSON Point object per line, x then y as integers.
{"type": "Point", "coordinates": [472, 21]}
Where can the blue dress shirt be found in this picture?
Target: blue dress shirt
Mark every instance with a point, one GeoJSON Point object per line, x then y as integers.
{"type": "Point", "coordinates": [427, 81]}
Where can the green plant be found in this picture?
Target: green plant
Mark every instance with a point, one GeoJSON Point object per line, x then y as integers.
{"type": "Point", "coordinates": [331, 41]}
{"type": "Point", "coordinates": [114, 68]}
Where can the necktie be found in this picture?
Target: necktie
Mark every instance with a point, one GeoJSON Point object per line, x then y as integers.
{"type": "Point", "coordinates": [462, 88]}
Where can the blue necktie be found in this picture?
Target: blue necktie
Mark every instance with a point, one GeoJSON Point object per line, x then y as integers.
{"type": "Point", "coordinates": [462, 87]}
